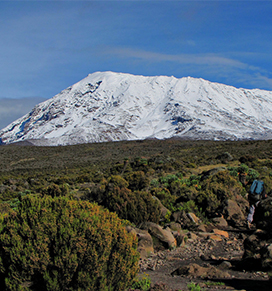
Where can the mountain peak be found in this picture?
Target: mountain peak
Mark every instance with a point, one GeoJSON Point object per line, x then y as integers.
{"type": "Point", "coordinates": [108, 106]}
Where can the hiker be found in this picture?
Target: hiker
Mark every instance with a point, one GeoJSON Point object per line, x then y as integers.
{"type": "Point", "coordinates": [256, 193]}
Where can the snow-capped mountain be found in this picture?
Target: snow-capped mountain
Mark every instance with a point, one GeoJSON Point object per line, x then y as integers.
{"type": "Point", "coordinates": [107, 106]}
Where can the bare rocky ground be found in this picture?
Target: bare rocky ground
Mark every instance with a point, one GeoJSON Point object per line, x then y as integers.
{"type": "Point", "coordinates": [205, 261]}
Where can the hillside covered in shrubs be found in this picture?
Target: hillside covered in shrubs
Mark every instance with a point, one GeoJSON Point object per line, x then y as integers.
{"type": "Point", "coordinates": [62, 205]}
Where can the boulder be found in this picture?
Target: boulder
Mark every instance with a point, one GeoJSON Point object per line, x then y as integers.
{"type": "Point", "coordinates": [215, 237]}
{"type": "Point", "coordinates": [192, 236]}
{"type": "Point", "coordinates": [193, 218]}
{"type": "Point", "coordinates": [183, 219]}
{"type": "Point", "coordinates": [221, 232]}
{"type": "Point", "coordinates": [233, 214]}
{"type": "Point", "coordinates": [225, 265]}
{"type": "Point", "coordinates": [177, 232]}
{"type": "Point", "coordinates": [202, 228]}
{"type": "Point", "coordinates": [258, 251]}
{"type": "Point", "coordinates": [145, 241]}
{"type": "Point", "coordinates": [263, 215]}
{"type": "Point", "coordinates": [220, 221]}
{"type": "Point", "coordinates": [180, 238]}
{"type": "Point", "coordinates": [164, 236]}
{"type": "Point", "coordinates": [242, 203]}
{"type": "Point", "coordinates": [174, 226]}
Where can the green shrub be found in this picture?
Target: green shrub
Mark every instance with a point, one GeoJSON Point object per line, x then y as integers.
{"type": "Point", "coordinates": [243, 169]}
{"type": "Point", "coordinates": [139, 164]}
{"type": "Point", "coordinates": [194, 287]}
{"type": "Point", "coordinates": [137, 207]}
{"type": "Point", "coordinates": [252, 175]}
{"type": "Point", "coordinates": [217, 189]}
{"type": "Point", "coordinates": [56, 190]}
{"type": "Point", "coordinates": [155, 183]}
{"type": "Point", "coordinates": [117, 181]}
{"type": "Point", "coordinates": [164, 196]}
{"type": "Point", "coordinates": [187, 193]}
{"type": "Point", "coordinates": [60, 244]}
{"type": "Point", "coordinates": [208, 201]}
{"type": "Point", "coordinates": [137, 180]}
{"type": "Point", "coordinates": [142, 283]}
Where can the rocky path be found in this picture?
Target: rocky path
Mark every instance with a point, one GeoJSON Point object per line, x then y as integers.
{"type": "Point", "coordinates": [205, 259]}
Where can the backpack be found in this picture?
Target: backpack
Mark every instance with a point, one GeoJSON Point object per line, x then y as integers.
{"type": "Point", "coordinates": [256, 190]}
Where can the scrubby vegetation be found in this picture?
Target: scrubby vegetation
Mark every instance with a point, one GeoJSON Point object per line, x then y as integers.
{"type": "Point", "coordinates": [62, 244]}
{"type": "Point", "coordinates": [65, 197]}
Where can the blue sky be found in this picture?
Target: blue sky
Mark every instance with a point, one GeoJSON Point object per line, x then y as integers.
{"type": "Point", "coordinates": [46, 46]}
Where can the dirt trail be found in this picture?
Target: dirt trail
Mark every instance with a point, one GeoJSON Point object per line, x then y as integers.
{"type": "Point", "coordinates": [225, 255]}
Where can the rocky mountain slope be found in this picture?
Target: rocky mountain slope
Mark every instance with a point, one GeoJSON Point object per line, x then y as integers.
{"type": "Point", "coordinates": [107, 106]}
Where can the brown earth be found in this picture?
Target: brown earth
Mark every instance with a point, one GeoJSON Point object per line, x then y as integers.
{"type": "Point", "coordinates": [205, 261]}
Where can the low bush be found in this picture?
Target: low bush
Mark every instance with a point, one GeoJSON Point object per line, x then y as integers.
{"type": "Point", "coordinates": [135, 206]}
{"type": "Point", "coordinates": [57, 244]}
{"type": "Point", "coordinates": [56, 190]}
{"type": "Point", "coordinates": [164, 196]}
{"type": "Point", "coordinates": [137, 180]}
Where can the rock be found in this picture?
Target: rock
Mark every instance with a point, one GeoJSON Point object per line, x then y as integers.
{"type": "Point", "coordinates": [181, 217]}
{"type": "Point", "coordinates": [215, 237]}
{"type": "Point", "coordinates": [225, 265]}
{"type": "Point", "coordinates": [233, 214]}
{"type": "Point", "coordinates": [204, 234]}
{"type": "Point", "coordinates": [220, 221]}
{"type": "Point", "coordinates": [263, 215]}
{"type": "Point", "coordinates": [242, 203]}
{"type": "Point", "coordinates": [145, 241]}
{"type": "Point", "coordinates": [177, 216]}
{"type": "Point", "coordinates": [180, 238]}
{"type": "Point", "coordinates": [221, 232]}
{"type": "Point", "coordinates": [174, 226]}
{"type": "Point", "coordinates": [202, 228]}
{"type": "Point", "coordinates": [258, 247]}
{"type": "Point", "coordinates": [165, 236]}
{"type": "Point", "coordinates": [192, 236]}
{"type": "Point", "coordinates": [196, 271]}
{"type": "Point", "coordinates": [193, 217]}
{"type": "Point", "coordinates": [145, 244]}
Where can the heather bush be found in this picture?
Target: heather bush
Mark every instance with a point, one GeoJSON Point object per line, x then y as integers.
{"type": "Point", "coordinates": [137, 180]}
{"type": "Point", "coordinates": [164, 195]}
{"type": "Point", "coordinates": [135, 206]}
{"type": "Point", "coordinates": [187, 193]}
{"type": "Point", "coordinates": [216, 189]}
{"type": "Point", "coordinates": [55, 190]}
{"type": "Point", "coordinates": [139, 164]}
{"type": "Point", "coordinates": [117, 181]}
{"type": "Point", "coordinates": [56, 244]}
{"type": "Point", "coordinates": [208, 201]}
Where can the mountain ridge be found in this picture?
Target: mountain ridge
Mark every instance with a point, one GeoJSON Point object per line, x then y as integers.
{"type": "Point", "coordinates": [107, 106]}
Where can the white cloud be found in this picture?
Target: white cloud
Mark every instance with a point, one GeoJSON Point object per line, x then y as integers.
{"type": "Point", "coordinates": [209, 65]}
{"type": "Point", "coordinates": [196, 59]}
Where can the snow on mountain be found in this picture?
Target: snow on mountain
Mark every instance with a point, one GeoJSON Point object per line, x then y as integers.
{"type": "Point", "coordinates": [107, 106]}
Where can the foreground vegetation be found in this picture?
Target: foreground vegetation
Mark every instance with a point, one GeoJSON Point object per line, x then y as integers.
{"type": "Point", "coordinates": [57, 204]}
